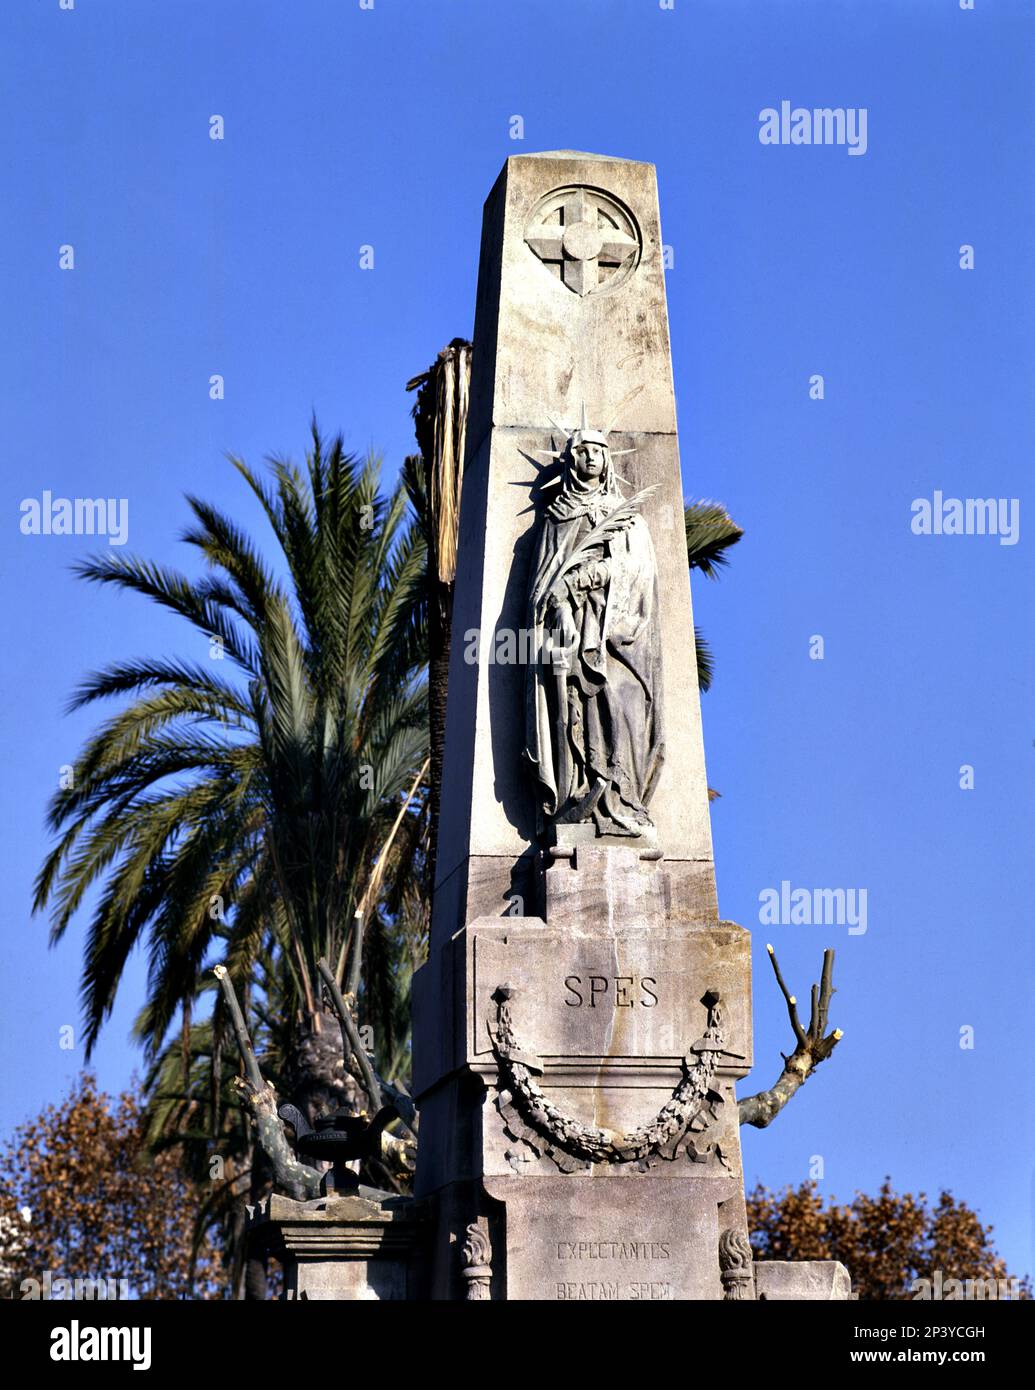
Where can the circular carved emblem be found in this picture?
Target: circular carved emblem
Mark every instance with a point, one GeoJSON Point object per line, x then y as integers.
{"type": "Point", "coordinates": [586, 238]}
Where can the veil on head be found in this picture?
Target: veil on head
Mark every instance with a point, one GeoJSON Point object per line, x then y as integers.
{"type": "Point", "coordinates": [569, 481]}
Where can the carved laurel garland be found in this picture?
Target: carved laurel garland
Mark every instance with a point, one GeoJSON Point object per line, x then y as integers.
{"type": "Point", "coordinates": [571, 1144]}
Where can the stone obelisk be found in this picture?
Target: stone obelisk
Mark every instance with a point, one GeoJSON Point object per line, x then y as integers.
{"type": "Point", "coordinates": [584, 1015]}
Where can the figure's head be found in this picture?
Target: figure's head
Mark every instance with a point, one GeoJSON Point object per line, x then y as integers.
{"type": "Point", "coordinates": [587, 459]}
{"type": "Point", "coordinates": [589, 454]}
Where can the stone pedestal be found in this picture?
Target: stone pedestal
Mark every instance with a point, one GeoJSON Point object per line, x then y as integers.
{"type": "Point", "coordinates": [355, 1247]}
{"type": "Point", "coordinates": [580, 1102]}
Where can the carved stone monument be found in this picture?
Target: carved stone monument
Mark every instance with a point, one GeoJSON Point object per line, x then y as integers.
{"type": "Point", "coordinates": [584, 1015]}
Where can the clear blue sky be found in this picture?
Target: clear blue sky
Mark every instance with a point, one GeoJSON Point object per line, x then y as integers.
{"type": "Point", "coordinates": [387, 127]}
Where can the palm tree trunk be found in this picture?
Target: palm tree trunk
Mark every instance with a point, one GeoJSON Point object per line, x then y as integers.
{"type": "Point", "coordinates": [317, 1080]}
{"type": "Point", "coordinates": [256, 1268]}
{"type": "Point", "coordinates": [440, 424]}
{"type": "Point", "coordinates": [440, 629]}
{"type": "Point", "coordinates": [236, 1247]}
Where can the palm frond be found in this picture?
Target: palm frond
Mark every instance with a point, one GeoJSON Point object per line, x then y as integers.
{"type": "Point", "coordinates": [709, 533]}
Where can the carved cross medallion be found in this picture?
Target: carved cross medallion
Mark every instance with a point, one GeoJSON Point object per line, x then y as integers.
{"type": "Point", "coordinates": [586, 238]}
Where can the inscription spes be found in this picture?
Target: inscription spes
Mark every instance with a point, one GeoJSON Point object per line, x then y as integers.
{"type": "Point", "coordinates": [623, 991]}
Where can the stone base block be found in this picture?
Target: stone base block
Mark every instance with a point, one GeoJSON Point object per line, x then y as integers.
{"type": "Point", "coordinates": [787, 1280]}
{"type": "Point", "coordinates": [365, 1247]}
{"type": "Point", "coordinates": [597, 1240]}
{"type": "Point", "coordinates": [587, 1238]}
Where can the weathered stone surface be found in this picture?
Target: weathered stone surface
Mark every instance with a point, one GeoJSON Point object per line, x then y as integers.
{"type": "Point", "coordinates": [355, 1247]}
{"type": "Point", "coordinates": [538, 338]}
{"type": "Point", "coordinates": [818, 1280]}
{"type": "Point", "coordinates": [596, 881]}
{"type": "Point", "coordinates": [594, 990]}
{"type": "Point", "coordinates": [607, 991]}
{"type": "Point", "coordinates": [582, 1242]}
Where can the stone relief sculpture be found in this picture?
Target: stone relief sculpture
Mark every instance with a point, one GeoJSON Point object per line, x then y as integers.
{"type": "Point", "coordinates": [594, 728]}
{"type": "Point", "coordinates": [735, 1258]}
{"type": "Point", "coordinates": [585, 237]}
{"type": "Point", "coordinates": [687, 1125]}
{"type": "Point", "coordinates": [477, 1264]}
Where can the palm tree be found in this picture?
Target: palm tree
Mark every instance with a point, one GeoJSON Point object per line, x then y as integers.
{"type": "Point", "coordinates": [218, 813]}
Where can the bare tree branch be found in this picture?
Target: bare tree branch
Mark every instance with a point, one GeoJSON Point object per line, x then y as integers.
{"type": "Point", "coordinates": [260, 1100]}
{"type": "Point", "coordinates": [811, 1047]}
{"type": "Point", "coordinates": [297, 1179]}
{"type": "Point", "coordinates": [379, 1092]}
